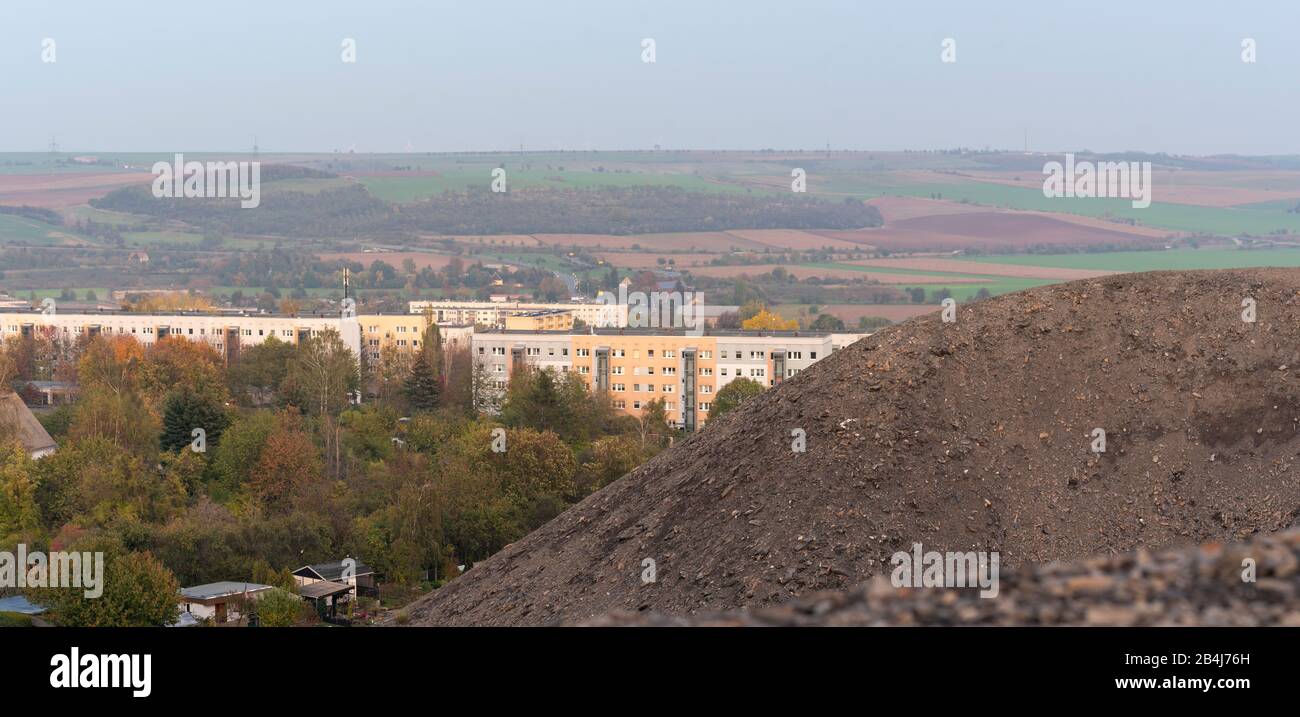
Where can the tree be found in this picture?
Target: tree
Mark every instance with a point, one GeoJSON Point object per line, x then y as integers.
{"type": "Point", "coordinates": [241, 448]}
{"type": "Point", "coordinates": [279, 608]}
{"type": "Point", "coordinates": [609, 459]}
{"type": "Point", "coordinates": [827, 322]}
{"type": "Point", "coordinates": [19, 514]}
{"type": "Point", "coordinates": [652, 426]}
{"type": "Point", "coordinates": [766, 320]}
{"type": "Point", "coordinates": [138, 591]}
{"type": "Point", "coordinates": [186, 410]}
{"type": "Point", "coordinates": [322, 374]}
{"type": "Point", "coordinates": [289, 463]}
{"type": "Point", "coordinates": [260, 370]}
{"type": "Point", "coordinates": [424, 384]}
{"type": "Point", "coordinates": [737, 391]}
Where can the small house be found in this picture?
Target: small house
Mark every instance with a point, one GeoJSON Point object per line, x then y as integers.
{"type": "Point", "coordinates": [220, 602]}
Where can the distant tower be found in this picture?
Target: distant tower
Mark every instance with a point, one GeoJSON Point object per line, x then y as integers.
{"type": "Point", "coordinates": [828, 148]}
{"type": "Point", "coordinates": [347, 282]}
{"type": "Point", "coordinates": [54, 146]}
{"type": "Point", "coordinates": [255, 145]}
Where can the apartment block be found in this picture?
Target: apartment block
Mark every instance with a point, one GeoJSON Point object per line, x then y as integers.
{"type": "Point", "coordinates": [404, 332]}
{"type": "Point", "coordinates": [543, 320]}
{"type": "Point", "coordinates": [494, 313]}
{"type": "Point", "coordinates": [639, 366]}
{"type": "Point", "coordinates": [225, 333]}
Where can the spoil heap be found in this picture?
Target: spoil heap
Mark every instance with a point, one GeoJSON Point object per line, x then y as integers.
{"type": "Point", "coordinates": [972, 435]}
{"type": "Point", "coordinates": [1192, 586]}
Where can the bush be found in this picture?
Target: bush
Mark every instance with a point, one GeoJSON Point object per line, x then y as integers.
{"type": "Point", "coordinates": [280, 608]}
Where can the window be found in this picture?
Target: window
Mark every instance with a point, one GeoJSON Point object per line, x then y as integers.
{"type": "Point", "coordinates": [757, 372]}
{"type": "Point", "coordinates": [583, 353]}
{"type": "Point", "coordinates": [619, 387]}
{"type": "Point", "coordinates": [670, 354]}
{"type": "Point", "coordinates": [620, 404]}
{"type": "Point", "coordinates": [636, 387]}
{"type": "Point", "coordinates": [812, 355]}
{"type": "Point", "coordinates": [650, 353]}
{"type": "Point", "coordinates": [636, 404]}
{"type": "Point", "coordinates": [498, 351]}
{"type": "Point", "coordinates": [668, 388]}
{"type": "Point", "coordinates": [722, 371]}
{"type": "Point", "coordinates": [617, 370]}
{"type": "Point", "coordinates": [724, 354]}
{"type": "Point", "coordinates": [705, 406]}
{"type": "Point", "coordinates": [650, 370]}
{"type": "Point", "coordinates": [670, 370]}
{"type": "Point", "coordinates": [706, 372]}
{"type": "Point", "coordinates": [584, 370]}
{"type": "Point", "coordinates": [706, 354]}
{"type": "Point", "coordinates": [706, 388]}
{"type": "Point", "coordinates": [756, 355]}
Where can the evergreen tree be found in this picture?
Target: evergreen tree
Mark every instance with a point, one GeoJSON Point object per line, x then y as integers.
{"type": "Point", "coordinates": [424, 385]}
{"type": "Point", "coordinates": [186, 410]}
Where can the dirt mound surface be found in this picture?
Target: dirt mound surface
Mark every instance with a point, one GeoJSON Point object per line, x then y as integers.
{"type": "Point", "coordinates": [1195, 586]}
{"type": "Point", "coordinates": [972, 435]}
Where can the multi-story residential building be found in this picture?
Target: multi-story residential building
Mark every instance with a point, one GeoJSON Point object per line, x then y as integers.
{"type": "Point", "coordinates": [225, 333]}
{"type": "Point", "coordinates": [543, 320]}
{"type": "Point", "coordinates": [636, 366]}
{"type": "Point", "coordinates": [494, 313]}
{"type": "Point", "coordinates": [404, 332]}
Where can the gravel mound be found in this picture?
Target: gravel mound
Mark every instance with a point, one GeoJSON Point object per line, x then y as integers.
{"type": "Point", "coordinates": [1196, 586]}
{"type": "Point", "coordinates": [977, 434]}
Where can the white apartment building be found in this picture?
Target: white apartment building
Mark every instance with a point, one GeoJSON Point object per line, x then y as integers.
{"type": "Point", "coordinates": [493, 313]}
{"type": "Point", "coordinates": [225, 333]}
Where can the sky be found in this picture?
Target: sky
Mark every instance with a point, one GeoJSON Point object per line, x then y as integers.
{"type": "Point", "coordinates": [485, 75]}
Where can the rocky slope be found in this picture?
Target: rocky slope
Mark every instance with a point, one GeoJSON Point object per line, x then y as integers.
{"type": "Point", "coordinates": [971, 435]}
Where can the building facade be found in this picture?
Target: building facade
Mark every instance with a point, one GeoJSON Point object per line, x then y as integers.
{"type": "Point", "coordinates": [224, 332]}
{"type": "Point", "coordinates": [639, 366]}
{"type": "Point", "coordinates": [494, 313]}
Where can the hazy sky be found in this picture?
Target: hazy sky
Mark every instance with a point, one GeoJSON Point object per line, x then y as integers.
{"type": "Point", "coordinates": [145, 75]}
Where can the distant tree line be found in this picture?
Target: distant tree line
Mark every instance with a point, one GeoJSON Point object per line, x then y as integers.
{"type": "Point", "coordinates": [350, 210]}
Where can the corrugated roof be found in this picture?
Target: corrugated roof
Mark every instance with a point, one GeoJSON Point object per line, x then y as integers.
{"type": "Point", "coordinates": [16, 417]}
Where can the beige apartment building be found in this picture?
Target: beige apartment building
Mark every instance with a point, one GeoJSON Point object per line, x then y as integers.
{"type": "Point", "coordinates": [404, 332]}
{"type": "Point", "coordinates": [637, 366]}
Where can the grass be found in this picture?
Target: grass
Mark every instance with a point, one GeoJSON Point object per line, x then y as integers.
{"type": "Point", "coordinates": [1253, 219]}
{"type": "Point", "coordinates": [170, 238]}
{"type": "Point", "coordinates": [21, 230]}
{"type": "Point", "coordinates": [15, 619]}
{"type": "Point", "coordinates": [404, 190]}
{"type": "Point", "coordinates": [1152, 260]}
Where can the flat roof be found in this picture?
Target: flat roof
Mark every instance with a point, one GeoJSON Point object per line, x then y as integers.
{"type": "Point", "coordinates": [322, 588]}
{"type": "Point", "coordinates": [630, 331]}
{"type": "Point", "coordinates": [221, 589]}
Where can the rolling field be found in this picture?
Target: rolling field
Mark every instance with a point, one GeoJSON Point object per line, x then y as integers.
{"type": "Point", "coordinates": [1151, 260]}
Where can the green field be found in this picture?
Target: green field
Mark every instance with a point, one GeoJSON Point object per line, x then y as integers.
{"type": "Point", "coordinates": [1252, 219]}
{"type": "Point", "coordinates": [410, 189]}
{"type": "Point", "coordinates": [21, 230]}
{"type": "Point", "coordinates": [1153, 260]}
{"type": "Point", "coordinates": [168, 238]}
